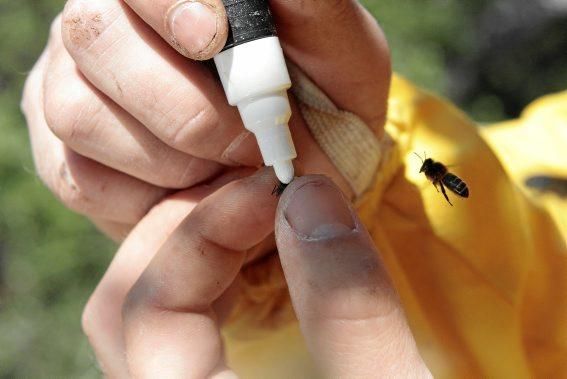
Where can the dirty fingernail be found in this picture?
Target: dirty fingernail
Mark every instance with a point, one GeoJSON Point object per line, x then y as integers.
{"type": "Point", "coordinates": [193, 25]}
{"type": "Point", "coordinates": [318, 210]}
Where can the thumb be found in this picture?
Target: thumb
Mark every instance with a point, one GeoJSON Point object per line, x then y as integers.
{"type": "Point", "coordinates": [348, 311]}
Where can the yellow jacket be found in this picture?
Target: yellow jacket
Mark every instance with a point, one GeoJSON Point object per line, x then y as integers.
{"type": "Point", "coordinates": [484, 283]}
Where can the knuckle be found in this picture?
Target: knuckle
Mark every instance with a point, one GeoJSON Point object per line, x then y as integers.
{"type": "Point", "coordinates": [331, 10]}
{"type": "Point", "coordinates": [88, 321]}
{"type": "Point", "coordinates": [344, 12]}
{"type": "Point", "coordinates": [55, 28]}
{"type": "Point", "coordinates": [33, 87]}
{"type": "Point", "coordinates": [55, 174]}
{"type": "Point", "coordinates": [149, 293]}
{"type": "Point", "coordinates": [339, 8]}
{"type": "Point", "coordinates": [27, 100]}
{"type": "Point", "coordinates": [188, 130]}
{"type": "Point", "coordinates": [176, 170]}
{"type": "Point", "coordinates": [68, 106]}
{"type": "Point", "coordinates": [178, 173]}
{"type": "Point", "coordinates": [135, 300]}
{"type": "Point", "coordinates": [72, 195]}
{"type": "Point", "coordinates": [82, 23]}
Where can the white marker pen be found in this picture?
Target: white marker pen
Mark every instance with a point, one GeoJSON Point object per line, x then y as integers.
{"type": "Point", "coordinates": [255, 79]}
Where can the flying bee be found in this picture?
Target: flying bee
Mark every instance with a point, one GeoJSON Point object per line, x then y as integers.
{"type": "Point", "coordinates": [440, 176]}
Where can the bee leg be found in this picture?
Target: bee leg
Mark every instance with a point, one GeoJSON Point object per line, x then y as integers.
{"type": "Point", "coordinates": [435, 185]}
{"type": "Point", "coordinates": [445, 193]}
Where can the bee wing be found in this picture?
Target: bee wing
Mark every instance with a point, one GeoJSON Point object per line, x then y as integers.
{"type": "Point", "coordinates": [456, 185]}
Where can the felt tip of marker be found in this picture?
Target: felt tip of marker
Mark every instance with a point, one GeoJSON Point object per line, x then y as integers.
{"type": "Point", "coordinates": [284, 171]}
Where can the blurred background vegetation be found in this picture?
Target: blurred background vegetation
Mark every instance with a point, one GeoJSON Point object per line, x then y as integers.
{"type": "Point", "coordinates": [490, 57]}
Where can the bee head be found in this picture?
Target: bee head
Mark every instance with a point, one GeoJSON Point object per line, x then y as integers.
{"type": "Point", "coordinates": [426, 163]}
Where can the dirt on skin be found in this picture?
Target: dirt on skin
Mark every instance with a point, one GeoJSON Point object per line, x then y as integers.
{"type": "Point", "coordinates": [83, 31]}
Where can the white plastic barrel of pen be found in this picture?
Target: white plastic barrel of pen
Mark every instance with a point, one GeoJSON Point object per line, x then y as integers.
{"type": "Point", "coordinates": [254, 75]}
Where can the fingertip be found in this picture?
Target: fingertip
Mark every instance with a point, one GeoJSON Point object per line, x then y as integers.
{"type": "Point", "coordinates": [296, 185]}
{"type": "Point", "coordinates": [197, 29]}
{"type": "Point", "coordinates": [313, 207]}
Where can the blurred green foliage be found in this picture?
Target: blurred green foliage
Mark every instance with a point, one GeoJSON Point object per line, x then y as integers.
{"type": "Point", "coordinates": [51, 259]}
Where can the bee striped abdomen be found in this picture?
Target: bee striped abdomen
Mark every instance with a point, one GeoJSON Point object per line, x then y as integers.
{"type": "Point", "coordinates": [456, 185]}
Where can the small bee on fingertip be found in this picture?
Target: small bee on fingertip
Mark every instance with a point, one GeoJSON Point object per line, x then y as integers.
{"type": "Point", "coordinates": [279, 189]}
{"type": "Point", "coordinates": [439, 175]}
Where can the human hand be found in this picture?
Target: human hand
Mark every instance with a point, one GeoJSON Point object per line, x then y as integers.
{"type": "Point", "coordinates": [186, 281]}
{"type": "Point", "coordinates": [119, 120]}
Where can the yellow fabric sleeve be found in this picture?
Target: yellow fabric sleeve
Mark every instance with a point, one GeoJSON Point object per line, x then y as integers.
{"type": "Point", "coordinates": [484, 283]}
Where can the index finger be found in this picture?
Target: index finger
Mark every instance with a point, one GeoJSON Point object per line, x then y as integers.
{"type": "Point", "coordinates": [169, 319]}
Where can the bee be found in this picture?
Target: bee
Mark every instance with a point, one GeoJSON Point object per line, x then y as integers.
{"type": "Point", "coordinates": [279, 189]}
{"type": "Point", "coordinates": [440, 176]}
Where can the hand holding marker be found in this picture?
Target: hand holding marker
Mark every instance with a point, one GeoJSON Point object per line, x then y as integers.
{"type": "Point", "coordinates": [255, 79]}
{"type": "Point", "coordinates": [328, 258]}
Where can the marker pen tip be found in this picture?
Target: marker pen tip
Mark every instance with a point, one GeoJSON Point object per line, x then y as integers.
{"type": "Point", "coordinates": [284, 171]}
